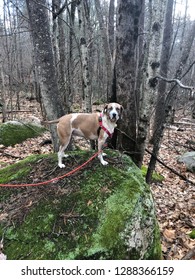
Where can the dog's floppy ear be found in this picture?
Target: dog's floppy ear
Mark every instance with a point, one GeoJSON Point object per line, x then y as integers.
{"type": "Point", "coordinates": [105, 108]}
{"type": "Point", "coordinates": [121, 112]}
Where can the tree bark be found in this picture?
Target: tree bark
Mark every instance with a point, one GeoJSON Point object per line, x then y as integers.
{"type": "Point", "coordinates": [70, 71]}
{"type": "Point", "coordinates": [108, 56]}
{"type": "Point", "coordinates": [129, 12]}
{"type": "Point", "coordinates": [111, 32]}
{"type": "Point", "coordinates": [159, 119]}
{"type": "Point", "coordinates": [62, 61]}
{"type": "Point", "coordinates": [39, 24]}
{"type": "Point", "coordinates": [164, 67]}
{"type": "Point", "coordinates": [150, 67]}
{"type": "Point", "coordinates": [3, 91]}
{"type": "Point", "coordinates": [186, 49]}
{"type": "Point", "coordinates": [86, 98]}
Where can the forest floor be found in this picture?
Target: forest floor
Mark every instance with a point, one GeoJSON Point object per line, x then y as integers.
{"type": "Point", "coordinates": [174, 197]}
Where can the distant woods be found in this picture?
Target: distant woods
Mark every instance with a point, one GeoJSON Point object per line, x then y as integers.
{"type": "Point", "coordinates": [69, 55]}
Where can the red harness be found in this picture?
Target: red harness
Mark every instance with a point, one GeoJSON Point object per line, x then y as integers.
{"type": "Point", "coordinates": [103, 127]}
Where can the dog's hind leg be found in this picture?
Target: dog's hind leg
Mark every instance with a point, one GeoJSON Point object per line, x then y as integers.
{"type": "Point", "coordinates": [60, 156]}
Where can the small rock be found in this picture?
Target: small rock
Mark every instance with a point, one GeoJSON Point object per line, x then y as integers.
{"type": "Point", "coordinates": [189, 160]}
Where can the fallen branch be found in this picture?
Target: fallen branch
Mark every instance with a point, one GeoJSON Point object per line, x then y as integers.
{"type": "Point", "coordinates": [160, 161]}
{"type": "Point", "coordinates": [171, 169]}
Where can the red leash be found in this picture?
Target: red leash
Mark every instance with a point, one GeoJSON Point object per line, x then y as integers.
{"type": "Point", "coordinates": [54, 179]}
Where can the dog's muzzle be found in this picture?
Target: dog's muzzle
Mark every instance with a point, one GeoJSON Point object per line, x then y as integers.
{"type": "Point", "coordinates": [114, 116]}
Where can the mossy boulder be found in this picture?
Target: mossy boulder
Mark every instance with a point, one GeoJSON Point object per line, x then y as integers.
{"type": "Point", "coordinates": [97, 213]}
{"type": "Point", "coordinates": [14, 132]}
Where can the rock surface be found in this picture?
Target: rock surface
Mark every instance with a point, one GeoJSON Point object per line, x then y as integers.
{"type": "Point", "coordinates": [189, 160]}
{"type": "Point", "coordinates": [14, 132]}
{"type": "Point", "coordinates": [98, 213]}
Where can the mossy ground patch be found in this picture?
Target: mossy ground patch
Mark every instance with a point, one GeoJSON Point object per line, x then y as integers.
{"type": "Point", "coordinates": [78, 217]}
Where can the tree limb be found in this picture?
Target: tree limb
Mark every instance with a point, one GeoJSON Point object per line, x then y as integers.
{"type": "Point", "coordinates": [55, 15]}
{"type": "Point", "coordinates": [175, 81]}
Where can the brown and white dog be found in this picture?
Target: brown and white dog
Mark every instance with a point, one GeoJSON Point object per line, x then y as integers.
{"type": "Point", "coordinates": [89, 125]}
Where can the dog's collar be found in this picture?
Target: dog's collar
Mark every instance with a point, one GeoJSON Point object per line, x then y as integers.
{"type": "Point", "coordinates": [103, 127]}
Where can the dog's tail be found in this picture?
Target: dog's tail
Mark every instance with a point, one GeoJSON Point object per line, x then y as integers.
{"type": "Point", "coordinates": [50, 122]}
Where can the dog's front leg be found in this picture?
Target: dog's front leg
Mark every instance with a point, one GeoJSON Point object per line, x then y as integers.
{"type": "Point", "coordinates": [101, 154]}
{"type": "Point", "coordinates": [60, 156]}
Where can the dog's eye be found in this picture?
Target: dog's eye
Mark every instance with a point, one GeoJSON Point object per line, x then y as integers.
{"type": "Point", "coordinates": [110, 109]}
{"type": "Point", "coordinates": [118, 110]}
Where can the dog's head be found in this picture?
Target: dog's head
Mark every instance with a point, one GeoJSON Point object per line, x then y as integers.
{"type": "Point", "coordinates": [113, 111]}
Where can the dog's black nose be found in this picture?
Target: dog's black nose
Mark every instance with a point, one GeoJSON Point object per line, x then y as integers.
{"type": "Point", "coordinates": [114, 115]}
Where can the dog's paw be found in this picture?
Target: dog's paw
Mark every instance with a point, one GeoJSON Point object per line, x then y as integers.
{"type": "Point", "coordinates": [61, 165]}
{"type": "Point", "coordinates": [103, 162]}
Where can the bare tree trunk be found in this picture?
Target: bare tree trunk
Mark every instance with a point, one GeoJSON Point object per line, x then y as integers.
{"type": "Point", "coordinates": [20, 54]}
{"type": "Point", "coordinates": [90, 45]}
{"type": "Point", "coordinates": [164, 63]}
{"type": "Point", "coordinates": [140, 58]}
{"type": "Point", "coordinates": [62, 51]}
{"type": "Point", "coordinates": [9, 50]}
{"type": "Point", "coordinates": [129, 12]}
{"type": "Point", "coordinates": [84, 61]}
{"type": "Point", "coordinates": [150, 68]}
{"type": "Point", "coordinates": [39, 23]}
{"type": "Point", "coordinates": [159, 120]}
{"type": "Point", "coordinates": [108, 55]}
{"type": "Point", "coordinates": [168, 102]}
{"type": "Point", "coordinates": [3, 92]}
{"type": "Point", "coordinates": [55, 9]}
{"type": "Point", "coordinates": [58, 39]}
{"type": "Point", "coordinates": [70, 58]}
{"type": "Point", "coordinates": [186, 49]}
{"type": "Point", "coordinates": [85, 71]}
{"type": "Point", "coordinates": [111, 32]}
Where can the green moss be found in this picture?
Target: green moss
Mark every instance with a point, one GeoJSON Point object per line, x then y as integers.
{"type": "Point", "coordinates": [87, 218]}
{"type": "Point", "coordinates": [13, 133]}
{"type": "Point", "coordinates": [18, 170]}
{"type": "Point", "coordinates": [156, 177]}
{"type": "Point", "coordinates": [108, 239]}
{"type": "Point", "coordinates": [117, 210]}
{"type": "Point", "coordinates": [192, 234]}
